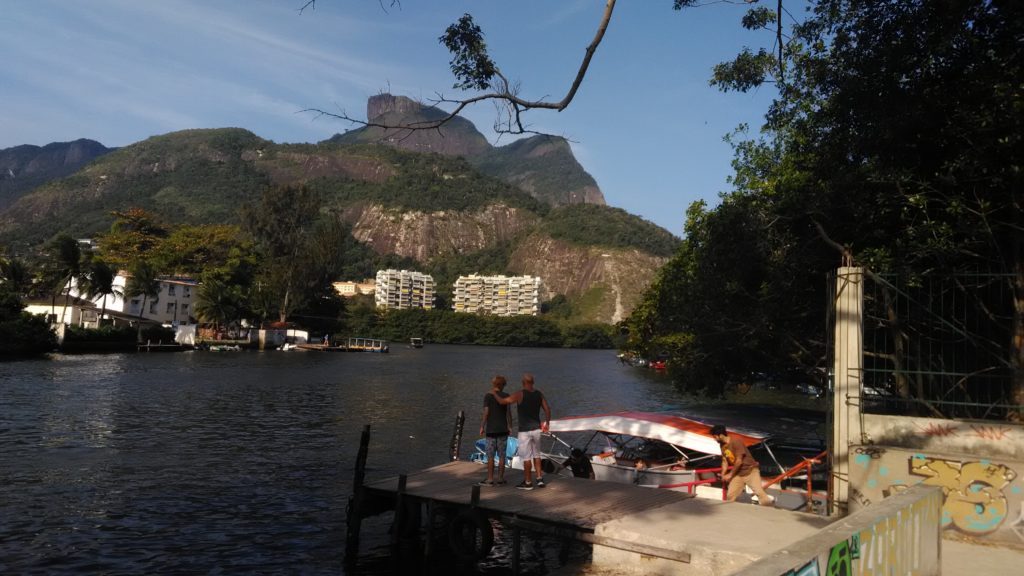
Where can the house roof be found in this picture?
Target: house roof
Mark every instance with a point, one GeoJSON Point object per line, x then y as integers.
{"type": "Point", "coordinates": [59, 302]}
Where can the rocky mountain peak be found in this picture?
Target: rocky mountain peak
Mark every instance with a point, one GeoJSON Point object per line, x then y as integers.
{"type": "Point", "coordinates": [381, 104]}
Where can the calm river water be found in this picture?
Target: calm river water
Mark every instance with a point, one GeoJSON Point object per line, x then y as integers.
{"type": "Point", "coordinates": [242, 462]}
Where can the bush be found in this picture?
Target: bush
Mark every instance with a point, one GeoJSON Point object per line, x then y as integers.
{"type": "Point", "coordinates": [79, 334]}
{"type": "Point", "coordinates": [26, 335]}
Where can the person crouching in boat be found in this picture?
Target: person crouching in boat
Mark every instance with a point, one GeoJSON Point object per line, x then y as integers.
{"type": "Point", "coordinates": [739, 468]}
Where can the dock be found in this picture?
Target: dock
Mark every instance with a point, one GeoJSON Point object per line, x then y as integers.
{"type": "Point", "coordinates": [448, 494]}
{"type": "Point", "coordinates": [557, 504]}
{"type": "Point", "coordinates": [441, 513]}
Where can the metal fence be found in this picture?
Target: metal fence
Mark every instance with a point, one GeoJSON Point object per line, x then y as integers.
{"type": "Point", "coordinates": [939, 346]}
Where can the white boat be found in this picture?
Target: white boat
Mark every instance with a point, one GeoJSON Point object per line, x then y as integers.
{"type": "Point", "coordinates": [678, 453]}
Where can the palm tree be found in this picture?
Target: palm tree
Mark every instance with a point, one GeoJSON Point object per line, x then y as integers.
{"type": "Point", "coordinates": [67, 262]}
{"type": "Point", "coordinates": [142, 281]}
{"type": "Point", "coordinates": [15, 275]}
{"type": "Point", "coordinates": [218, 302]}
{"type": "Point", "coordinates": [98, 281]}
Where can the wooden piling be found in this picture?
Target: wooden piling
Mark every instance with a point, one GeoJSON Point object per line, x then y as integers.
{"type": "Point", "coordinates": [453, 449]}
{"type": "Point", "coordinates": [397, 526]}
{"type": "Point", "coordinates": [354, 519]}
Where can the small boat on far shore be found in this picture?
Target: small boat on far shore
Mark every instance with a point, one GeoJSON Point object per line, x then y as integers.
{"type": "Point", "coordinates": [416, 342]}
{"type": "Point", "coordinates": [348, 345]}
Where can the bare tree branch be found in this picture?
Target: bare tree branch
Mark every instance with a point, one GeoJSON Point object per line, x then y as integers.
{"type": "Point", "coordinates": [506, 96]}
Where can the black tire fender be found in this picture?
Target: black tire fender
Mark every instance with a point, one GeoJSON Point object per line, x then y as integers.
{"type": "Point", "coordinates": [470, 535]}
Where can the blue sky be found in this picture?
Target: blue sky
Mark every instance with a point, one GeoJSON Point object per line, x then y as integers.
{"type": "Point", "coordinates": [645, 122]}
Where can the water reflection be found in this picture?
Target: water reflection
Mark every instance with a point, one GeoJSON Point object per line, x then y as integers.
{"type": "Point", "coordinates": [242, 462]}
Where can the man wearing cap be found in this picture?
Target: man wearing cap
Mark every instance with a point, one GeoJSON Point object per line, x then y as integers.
{"type": "Point", "coordinates": [739, 468]}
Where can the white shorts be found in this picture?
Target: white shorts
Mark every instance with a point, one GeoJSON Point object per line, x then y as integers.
{"type": "Point", "coordinates": [529, 444]}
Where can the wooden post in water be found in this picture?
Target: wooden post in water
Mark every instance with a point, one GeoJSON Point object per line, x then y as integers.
{"type": "Point", "coordinates": [453, 450]}
{"type": "Point", "coordinates": [396, 526]}
{"type": "Point", "coordinates": [516, 541]}
{"type": "Point", "coordinates": [428, 546]}
{"type": "Point", "coordinates": [354, 519]}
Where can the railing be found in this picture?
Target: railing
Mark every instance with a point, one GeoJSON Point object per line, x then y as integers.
{"type": "Point", "coordinates": [807, 465]}
{"type": "Point", "coordinates": [691, 486]}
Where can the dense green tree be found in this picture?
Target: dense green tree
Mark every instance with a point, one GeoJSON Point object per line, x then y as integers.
{"type": "Point", "coordinates": [21, 334]}
{"type": "Point", "coordinates": [191, 250]}
{"type": "Point", "coordinates": [15, 276]}
{"type": "Point", "coordinates": [894, 144]}
{"type": "Point", "coordinates": [134, 233]}
{"type": "Point", "coordinates": [283, 227]}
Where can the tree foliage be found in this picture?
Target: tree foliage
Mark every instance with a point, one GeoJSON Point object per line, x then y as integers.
{"type": "Point", "coordinates": [300, 251]}
{"type": "Point", "coordinates": [894, 143]}
{"type": "Point", "coordinates": [596, 225]}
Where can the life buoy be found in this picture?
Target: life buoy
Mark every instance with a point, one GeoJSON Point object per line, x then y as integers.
{"type": "Point", "coordinates": [470, 535]}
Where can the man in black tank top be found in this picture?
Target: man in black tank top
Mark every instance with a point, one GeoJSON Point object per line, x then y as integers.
{"type": "Point", "coordinates": [530, 402]}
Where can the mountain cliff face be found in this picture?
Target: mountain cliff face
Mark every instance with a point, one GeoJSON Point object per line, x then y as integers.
{"type": "Point", "coordinates": [426, 235]}
{"type": "Point", "coordinates": [610, 281]}
{"type": "Point", "coordinates": [25, 167]}
{"type": "Point", "coordinates": [607, 283]}
{"type": "Point", "coordinates": [542, 166]}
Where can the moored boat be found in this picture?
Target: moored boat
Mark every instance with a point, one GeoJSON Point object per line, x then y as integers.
{"type": "Point", "coordinates": [669, 451]}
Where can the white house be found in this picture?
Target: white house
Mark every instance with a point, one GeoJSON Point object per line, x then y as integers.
{"type": "Point", "coordinates": [78, 312]}
{"type": "Point", "coordinates": [174, 303]}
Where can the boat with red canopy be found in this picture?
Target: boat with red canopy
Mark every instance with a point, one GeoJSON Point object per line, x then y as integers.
{"type": "Point", "coordinates": [658, 450]}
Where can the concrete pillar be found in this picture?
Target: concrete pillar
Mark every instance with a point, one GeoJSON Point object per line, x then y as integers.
{"type": "Point", "coordinates": [847, 374]}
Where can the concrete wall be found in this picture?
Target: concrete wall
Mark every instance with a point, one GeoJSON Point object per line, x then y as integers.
{"type": "Point", "coordinates": [900, 535]}
{"type": "Point", "coordinates": [977, 465]}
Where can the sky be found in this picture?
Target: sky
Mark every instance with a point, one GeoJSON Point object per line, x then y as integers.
{"type": "Point", "coordinates": [645, 123]}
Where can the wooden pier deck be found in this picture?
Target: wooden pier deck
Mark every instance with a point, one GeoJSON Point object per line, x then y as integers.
{"type": "Point", "coordinates": [447, 499]}
{"type": "Point", "coordinates": [573, 503]}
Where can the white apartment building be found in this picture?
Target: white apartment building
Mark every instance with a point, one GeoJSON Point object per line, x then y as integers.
{"type": "Point", "coordinates": [497, 295]}
{"type": "Point", "coordinates": [403, 289]}
{"type": "Point", "coordinates": [173, 304]}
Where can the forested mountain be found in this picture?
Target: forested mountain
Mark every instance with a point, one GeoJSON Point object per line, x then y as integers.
{"type": "Point", "coordinates": [25, 167]}
{"type": "Point", "coordinates": [435, 212]}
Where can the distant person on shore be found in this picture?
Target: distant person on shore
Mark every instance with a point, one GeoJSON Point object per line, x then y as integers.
{"type": "Point", "coordinates": [530, 402]}
{"type": "Point", "coordinates": [579, 464]}
{"type": "Point", "coordinates": [739, 468]}
{"type": "Point", "coordinates": [495, 426]}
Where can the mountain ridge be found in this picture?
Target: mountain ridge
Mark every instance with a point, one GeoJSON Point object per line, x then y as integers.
{"type": "Point", "coordinates": [435, 209]}
{"type": "Point", "coordinates": [530, 164]}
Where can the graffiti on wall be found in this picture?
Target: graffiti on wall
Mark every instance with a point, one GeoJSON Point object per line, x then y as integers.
{"type": "Point", "coordinates": [892, 545]}
{"type": "Point", "coordinates": [974, 500]}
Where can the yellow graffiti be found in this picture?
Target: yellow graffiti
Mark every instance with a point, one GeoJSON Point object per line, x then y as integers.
{"type": "Point", "coordinates": [974, 499]}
